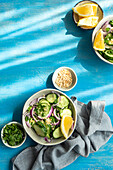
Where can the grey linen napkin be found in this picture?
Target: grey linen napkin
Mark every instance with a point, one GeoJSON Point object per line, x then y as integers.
{"type": "Point", "coordinates": [93, 130]}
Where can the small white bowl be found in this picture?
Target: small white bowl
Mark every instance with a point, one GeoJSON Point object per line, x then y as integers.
{"type": "Point", "coordinates": [32, 133]}
{"type": "Point", "coordinates": [108, 18]}
{"type": "Point", "coordinates": [19, 124]}
{"type": "Point", "coordinates": [74, 78]}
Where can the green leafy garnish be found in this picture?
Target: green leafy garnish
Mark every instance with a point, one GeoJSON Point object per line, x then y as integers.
{"type": "Point", "coordinates": [29, 108]}
{"type": "Point", "coordinates": [107, 29]}
{"type": "Point", "coordinates": [13, 134]}
{"type": "Point", "coordinates": [26, 118]}
{"type": "Point", "coordinates": [111, 22]}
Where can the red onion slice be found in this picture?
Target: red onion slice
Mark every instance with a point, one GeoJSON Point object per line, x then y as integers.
{"type": "Point", "coordinates": [28, 124]}
{"type": "Point", "coordinates": [43, 97]}
{"type": "Point", "coordinates": [47, 116]}
{"type": "Point", "coordinates": [104, 26]}
{"type": "Point", "coordinates": [57, 123]}
{"type": "Point", "coordinates": [104, 33]}
{"type": "Point", "coordinates": [50, 112]}
{"type": "Point", "coordinates": [26, 114]}
{"type": "Point", "coordinates": [41, 118]}
{"type": "Point", "coordinates": [72, 127]}
{"type": "Point", "coordinates": [47, 140]}
{"type": "Point", "coordinates": [54, 113]}
{"type": "Point", "coordinates": [32, 114]}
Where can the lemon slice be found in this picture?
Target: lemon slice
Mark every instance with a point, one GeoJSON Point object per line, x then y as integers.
{"type": "Point", "coordinates": [95, 7]}
{"type": "Point", "coordinates": [66, 123]}
{"type": "Point", "coordinates": [86, 10]}
{"type": "Point", "coordinates": [99, 41]}
{"type": "Point", "coordinates": [89, 21]}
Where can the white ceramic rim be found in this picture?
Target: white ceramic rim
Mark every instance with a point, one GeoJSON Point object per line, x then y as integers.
{"type": "Point", "coordinates": [27, 129]}
{"type": "Point", "coordinates": [7, 143]}
{"type": "Point", "coordinates": [94, 33]}
{"type": "Point", "coordinates": [55, 76]}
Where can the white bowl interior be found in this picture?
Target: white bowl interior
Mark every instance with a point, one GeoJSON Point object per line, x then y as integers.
{"type": "Point", "coordinates": [7, 143]}
{"type": "Point", "coordinates": [74, 77]}
{"type": "Point", "coordinates": [32, 133]}
{"type": "Point", "coordinates": [108, 18]}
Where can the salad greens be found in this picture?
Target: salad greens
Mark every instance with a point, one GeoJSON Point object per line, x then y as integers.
{"type": "Point", "coordinates": [13, 134]}
{"type": "Point", "coordinates": [45, 114]}
{"type": "Point", "coordinates": [107, 29]}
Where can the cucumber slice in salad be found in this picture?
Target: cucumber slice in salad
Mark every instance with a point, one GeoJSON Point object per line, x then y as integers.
{"type": "Point", "coordinates": [41, 131]}
{"type": "Point", "coordinates": [65, 112]}
{"type": "Point", "coordinates": [63, 101]}
{"type": "Point", "coordinates": [44, 101]}
{"type": "Point", "coordinates": [57, 133]}
{"type": "Point", "coordinates": [46, 109]}
{"type": "Point", "coordinates": [48, 127]}
{"type": "Point", "coordinates": [109, 53]}
{"type": "Point", "coordinates": [51, 98]}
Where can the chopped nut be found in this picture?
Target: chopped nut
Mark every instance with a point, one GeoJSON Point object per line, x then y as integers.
{"type": "Point", "coordinates": [64, 79]}
{"type": "Point", "coordinates": [48, 121]}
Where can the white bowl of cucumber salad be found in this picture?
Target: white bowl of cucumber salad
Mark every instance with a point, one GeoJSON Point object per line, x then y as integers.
{"type": "Point", "coordinates": [106, 27]}
{"type": "Point", "coordinates": [43, 114]}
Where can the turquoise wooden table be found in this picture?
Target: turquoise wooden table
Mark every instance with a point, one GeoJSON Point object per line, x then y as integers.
{"type": "Point", "coordinates": [37, 37]}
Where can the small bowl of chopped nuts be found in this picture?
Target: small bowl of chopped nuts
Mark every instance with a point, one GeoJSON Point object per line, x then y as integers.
{"type": "Point", "coordinates": [64, 78]}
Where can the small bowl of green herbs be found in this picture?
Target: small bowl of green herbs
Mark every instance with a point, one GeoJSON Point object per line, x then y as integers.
{"type": "Point", "coordinates": [13, 134]}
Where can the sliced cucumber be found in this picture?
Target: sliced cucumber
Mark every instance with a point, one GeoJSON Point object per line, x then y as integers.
{"type": "Point", "coordinates": [57, 133]}
{"type": "Point", "coordinates": [51, 98]}
{"type": "Point", "coordinates": [63, 102]}
{"type": "Point", "coordinates": [110, 42]}
{"type": "Point", "coordinates": [65, 112]}
{"type": "Point", "coordinates": [46, 109]}
{"type": "Point", "coordinates": [44, 101]}
{"type": "Point", "coordinates": [41, 131]}
{"type": "Point", "coordinates": [109, 53]}
{"type": "Point", "coordinates": [48, 127]}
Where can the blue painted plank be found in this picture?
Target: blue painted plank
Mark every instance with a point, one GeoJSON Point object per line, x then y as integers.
{"type": "Point", "coordinates": [37, 37]}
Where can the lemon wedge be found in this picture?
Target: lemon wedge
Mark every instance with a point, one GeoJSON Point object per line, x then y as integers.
{"type": "Point", "coordinates": [86, 10]}
{"type": "Point", "coordinates": [99, 41]}
{"type": "Point", "coordinates": [89, 21]}
{"type": "Point", "coordinates": [66, 123]}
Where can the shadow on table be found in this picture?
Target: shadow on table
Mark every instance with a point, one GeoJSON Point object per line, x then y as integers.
{"type": "Point", "coordinates": [10, 165]}
{"type": "Point", "coordinates": [19, 102]}
{"type": "Point", "coordinates": [17, 114]}
{"type": "Point", "coordinates": [85, 53]}
{"type": "Point", "coordinates": [72, 28]}
{"type": "Point", "coordinates": [49, 83]}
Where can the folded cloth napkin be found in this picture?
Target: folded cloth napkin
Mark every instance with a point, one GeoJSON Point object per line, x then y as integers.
{"type": "Point", "coordinates": [93, 130]}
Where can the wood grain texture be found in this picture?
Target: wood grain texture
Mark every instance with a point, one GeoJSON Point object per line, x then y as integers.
{"type": "Point", "coordinates": [37, 37]}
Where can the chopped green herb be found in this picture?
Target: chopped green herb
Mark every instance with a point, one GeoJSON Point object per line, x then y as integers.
{"type": "Point", "coordinates": [29, 108]}
{"type": "Point", "coordinates": [26, 118]}
{"type": "Point", "coordinates": [111, 22]}
{"type": "Point", "coordinates": [13, 134]}
{"type": "Point", "coordinates": [107, 29]}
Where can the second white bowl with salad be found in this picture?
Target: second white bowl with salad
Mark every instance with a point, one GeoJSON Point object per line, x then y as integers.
{"type": "Point", "coordinates": [105, 27]}
{"type": "Point", "coordinates": [49, 117]}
